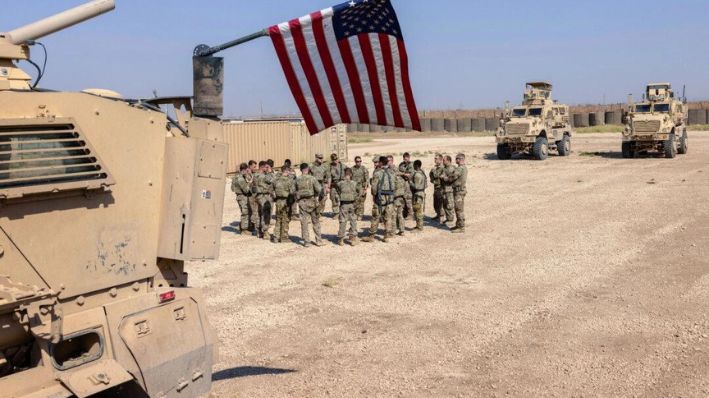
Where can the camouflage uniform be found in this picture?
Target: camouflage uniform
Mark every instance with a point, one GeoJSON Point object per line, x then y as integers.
{"type": "Point", "coordinates": [459, 182]}
{"type": "Point", "coordinates": [407, 168]}
{"type": "Point", "coordinates": [293, 208]}
{"type": "Point", "coordinates": [435, 175]}
{"type": "Point", "coordinates": [337, 174]}
{"type": "Point", "coordinates": [360, 175]}
{"type": "Point", "coordinates": [322, 175]}
{"type": "Point", "coordinates": [448, 194]}
{"type": "Point", "coordinates": [348, 192]}
{"type": "Point", "coordinates": [400, 204]}
{"type": "Point", "coordinates": [262, 188]}
{"type": "Point", "coordinates": [240, 186]}
{"type": "Point", "coordinates": [383, 185]}
{"type": "Point", "coordinates": [418, 188]}
{"type": "Point", "coordinates": [308, 190]}
{"type": "Point", "coordinates": [284, 189]}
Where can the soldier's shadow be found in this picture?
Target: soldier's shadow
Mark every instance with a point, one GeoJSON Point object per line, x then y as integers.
{"type": "Point", "coordinates": [432, 223]}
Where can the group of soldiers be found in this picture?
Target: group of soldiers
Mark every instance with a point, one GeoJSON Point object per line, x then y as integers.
{"type": "Point", "coordinates": [398, 194]}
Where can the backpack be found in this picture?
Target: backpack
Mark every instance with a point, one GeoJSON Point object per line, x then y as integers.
{"type": "Point", "coordinates": [281, 186]}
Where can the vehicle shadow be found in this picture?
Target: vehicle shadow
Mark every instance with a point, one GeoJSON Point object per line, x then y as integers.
{"type": "Point", "coordinates": [246, 371]}
{"type": "Point", "coordinates": [619, 155]}
{"type": "Point", "coordinates": [517, 156]}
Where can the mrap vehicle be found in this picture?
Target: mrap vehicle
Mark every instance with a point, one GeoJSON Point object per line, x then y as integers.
{"type": "Point", "coordinates": [538, 125]}
{"type": "Point", "coordinates": [658, 123]}
{"type": "Point", "coordinates": [102, 201]}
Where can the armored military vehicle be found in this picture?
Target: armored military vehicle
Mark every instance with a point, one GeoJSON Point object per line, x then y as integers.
{"type": "Point", "coordinates": [102, 201]}
{"type": "Point", "coordinates": [659, 123]}
{"type": "Point", "coordinates": [537, 126]}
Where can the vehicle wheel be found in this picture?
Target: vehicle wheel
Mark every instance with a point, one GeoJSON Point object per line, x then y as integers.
{"type": "Point", "coordinates": [541, 149]}
{"type": "Point", "coordinates": [564, 146]}
{"type": "Point", "coordinates": [627, 150]}
{"type": "Point", "coordinates": [669, 147]}
{"type": "Point", "coordinates": [503, 151]}
{"type": "Point", "coordinates": [682, 149]}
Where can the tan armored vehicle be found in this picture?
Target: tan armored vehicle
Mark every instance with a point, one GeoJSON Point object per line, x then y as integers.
{"type": "Point", "coordinates": [102, 200]}
{"type": "Point", "coordinates": [659, 123]}
{"type": "Point", "coordinates": [537, 126]}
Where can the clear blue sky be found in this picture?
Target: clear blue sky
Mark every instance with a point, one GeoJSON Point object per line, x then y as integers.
{"type": "Point", "coordinates": [463, 53]}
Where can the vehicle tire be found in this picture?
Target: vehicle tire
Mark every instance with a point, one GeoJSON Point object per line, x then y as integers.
{"type": "Point", "coordinates": [628, 150]}
{"type": "Point", "coordinates": [540, 151]}
{"type": "Point", "coordinates": [682, 148]}
{"type": "Point", "coordinates": [564, 146]}
{"type": "Point", "coordinates": [503, 152]}
{"type": "Point", "coordinates": [669, 146]}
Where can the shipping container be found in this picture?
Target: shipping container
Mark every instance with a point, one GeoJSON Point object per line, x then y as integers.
{"type": "Point", "coordinates": [280, 140]}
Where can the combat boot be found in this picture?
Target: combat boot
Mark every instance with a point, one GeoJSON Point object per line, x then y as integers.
{"type": "Point", "coordinates": [306, 244]}
{"type": "Point", "coordinates": [341, 242]}
{"type": "Point", "coordinates": [387, 237]}
{"type": "Point", "coordinates": [458, 230]}
{"type": "Point", "coordinates": [401, 233]}
{"type": "Point", "coordinates": [368, 238]}
{"type": "Point", "coordinates": [353, 241]}
{"type": "Point", "coordinates": [319, 243]}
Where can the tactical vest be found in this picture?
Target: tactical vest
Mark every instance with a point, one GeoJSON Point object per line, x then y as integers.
{"type": "Point", "coordinates": [359, 175]}
{"type": "Point", "coordinates": [337, 173]}
{"type": "Point", "coordinates": [348, 190]}
{"type": "Point", "coordinates": [461, 172]}
{"type": "Point", "coordinates": [305, 186]}
{"type": "Point", "coordinates": [281, 186]}
{"type": "Point", "coordinates": [418, 182]}
{"type": "Point", "coordinates": [262, 184]}
{"type": "Point", "coordinates": [436, 176]}
{"type": "Point", "coordinates": [400, 187]}
{"type": "Point", "coordinates": [319, 172]}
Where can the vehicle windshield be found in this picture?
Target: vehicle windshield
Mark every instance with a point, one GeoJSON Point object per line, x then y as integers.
{"type": "Point", "coordinates": [663, 108]}
{"type": "Point", "coordinates": [642, 108]}
{"type": "Point", "coordinates": [535, 111]}
{"type": "Point", "coordinates": [519, 112]}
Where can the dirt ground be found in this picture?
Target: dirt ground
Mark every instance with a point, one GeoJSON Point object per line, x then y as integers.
{"type": "Point", "coordinates": [578, 276]}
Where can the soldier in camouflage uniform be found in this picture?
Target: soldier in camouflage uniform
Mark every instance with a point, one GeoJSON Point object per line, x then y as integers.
{"type": "Point", "coordinates": [360, 175]}
{"type": "Point", "coordinates": [406, 168]}
{"type": "Point", "coordinates": [348, 192]}
{"type": "Point", "coordinates": [241, 186]}
{"type": "Point", "coordinates": [418, 188]}
{"type": "Point", "coordinates": [293, 209]}
{"type": "Point", "coordinates": [262, 188]}
{"type": "Point", "coordinates": [448, 197]}
{"type": "Point", "coordinates": [307, 191]}
{"type": "Point", "coordinates": [253, 206]}
{"type": "Point", "coordinates": [457, 180]}
{"type": "Point", "coordinates": [435, 175]}
{"type": "Point", "coordinates": [383, 187]}
{"type": "Point", "coordinates": [376, 215]}
{"type": "Point", "coordinates": [337, 174]}
{"type": "Point", "coordinates": [283, 189]}
{"type": "Point", "coordinates": [322, 175]}
{"type": "Point", "coordinates": [400, 204]}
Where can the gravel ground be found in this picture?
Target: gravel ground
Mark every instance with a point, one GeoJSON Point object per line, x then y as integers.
{"type": "Point", "coordinates": [578, 276]}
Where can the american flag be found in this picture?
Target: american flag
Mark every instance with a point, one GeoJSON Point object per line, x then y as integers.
{"type": "Point", "coordinates": [348, 64]}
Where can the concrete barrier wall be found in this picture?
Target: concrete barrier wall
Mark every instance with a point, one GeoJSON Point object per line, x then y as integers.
{"type": "Point", "coordinates": [697, 116]}
{"type": "Point", "coordinates": [492, 123]}
{"type": "Point", "coordinates": [478, 124]}
{"type": "Point", "coordinates": [614, 117]}
{"type": "Point", "coordinates": [465, 125]}
{"type": "Point", "coordinates": [437, 125]}
{"type": "Point", "coordinates": [450, 125]}
{"type": "Point", "coordinates": [426, 125]}
{"type": "Point", "coordinates": [581, 120]}
{"type": "Point", "coordinates": [596, 118]}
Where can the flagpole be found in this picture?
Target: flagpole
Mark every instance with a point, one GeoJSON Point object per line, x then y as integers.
{"type": "Point", "coordinates": [204, 50]}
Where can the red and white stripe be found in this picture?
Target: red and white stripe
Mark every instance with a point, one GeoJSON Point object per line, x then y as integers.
{"type": "Point", "coordinates": [363, 79]}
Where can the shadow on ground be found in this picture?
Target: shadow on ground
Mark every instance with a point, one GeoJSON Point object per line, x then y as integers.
{"type": "Point", "coordinates": [246, 371]}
